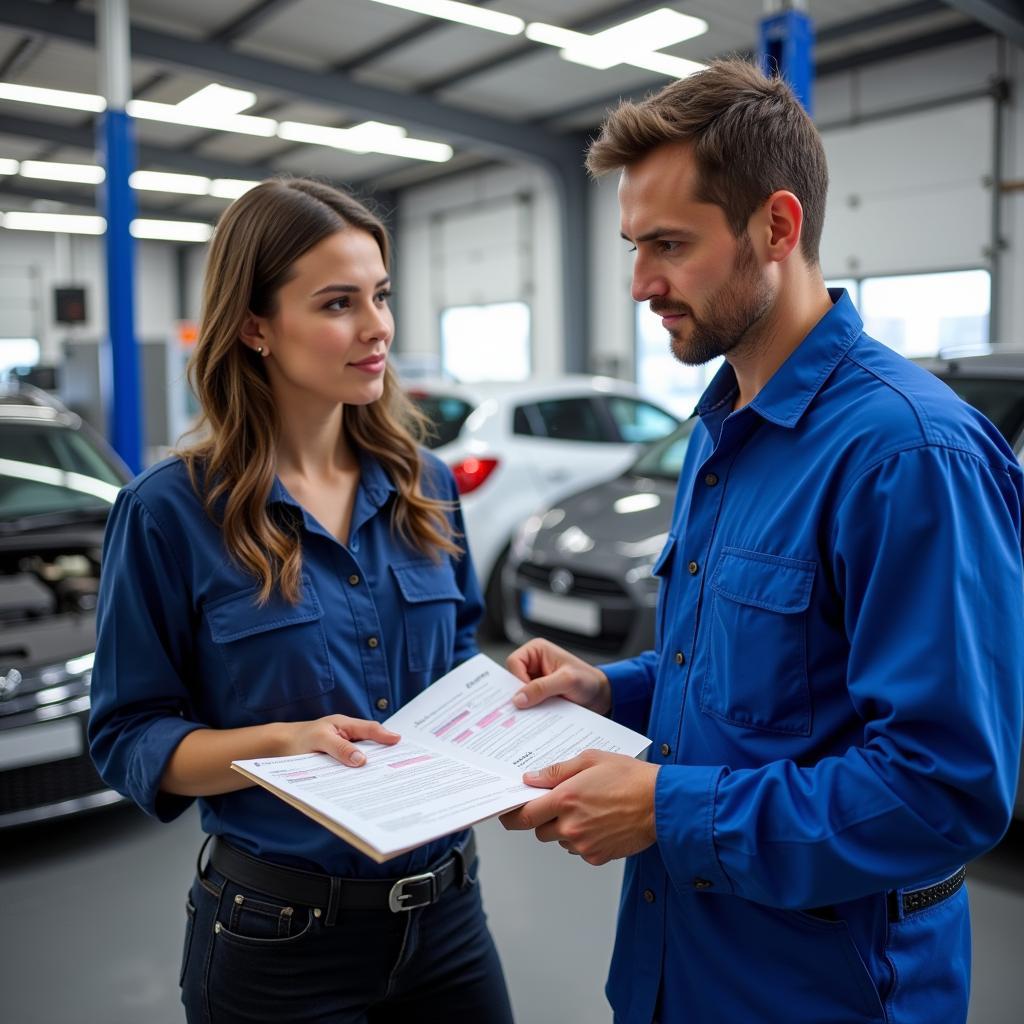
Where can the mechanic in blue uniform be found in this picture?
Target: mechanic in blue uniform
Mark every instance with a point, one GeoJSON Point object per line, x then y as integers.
{"type": "Point", "coordinates": [835, 694]}
{"type": "Point", "coordinates": [282, 587]}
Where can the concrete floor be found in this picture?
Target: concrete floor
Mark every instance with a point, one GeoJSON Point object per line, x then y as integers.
{"type": "Point", "coordinates": [92, 916]}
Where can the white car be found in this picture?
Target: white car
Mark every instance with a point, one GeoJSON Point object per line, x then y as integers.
{"type": "Point", "coordinates": [515, 447]}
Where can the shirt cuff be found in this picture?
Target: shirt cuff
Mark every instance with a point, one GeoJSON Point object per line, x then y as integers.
{"type": "Point", "coordinates": [684, 817]}
{"type": "Point", "coordinates": [631, 695]}
{"type": "Point", "coordinates": [152, 752]}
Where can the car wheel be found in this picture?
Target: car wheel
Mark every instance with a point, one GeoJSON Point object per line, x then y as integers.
{"type": "Point", "coordinates": [492, 625]}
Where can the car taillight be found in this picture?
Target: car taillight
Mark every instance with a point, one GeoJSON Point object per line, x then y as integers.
{"type": "Point", "coordinates": [471, 473]}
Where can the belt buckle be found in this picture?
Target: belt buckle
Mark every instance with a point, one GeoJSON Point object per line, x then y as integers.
{"type": "Point", "coordinates": [397, 897]}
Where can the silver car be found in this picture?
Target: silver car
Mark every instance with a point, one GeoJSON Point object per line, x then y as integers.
{"type": "Point", "coordinates": [57, 484]}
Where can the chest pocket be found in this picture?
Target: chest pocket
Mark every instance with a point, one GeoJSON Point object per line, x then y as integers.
{"type": "Point", "coordinates": [275, 654]}
{"type": "Point", "coordinates": [757, 642]}
{"type": "Point", "coordinates": [430, 599]}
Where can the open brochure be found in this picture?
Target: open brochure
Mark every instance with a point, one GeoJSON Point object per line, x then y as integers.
{"type": "Point", "coordinates": [461, 758]}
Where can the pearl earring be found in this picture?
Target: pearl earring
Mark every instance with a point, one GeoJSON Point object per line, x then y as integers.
{"type": "Point", "coordinates": [259, 351]}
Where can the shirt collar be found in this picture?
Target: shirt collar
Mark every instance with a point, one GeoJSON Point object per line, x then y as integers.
{"type": "Point", "coordinates": [786, 396]}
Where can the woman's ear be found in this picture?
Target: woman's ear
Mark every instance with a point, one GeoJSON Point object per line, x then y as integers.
{"type": "Point", "coordinates": [253, 334]}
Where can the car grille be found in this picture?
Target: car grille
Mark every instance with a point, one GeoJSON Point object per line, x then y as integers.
{"type": "Point", "coordinates": [617, 608]}
{"type": "Point", "coordinates": [584, 585]}
{"type": "Point", "coordinates": [41, 784]}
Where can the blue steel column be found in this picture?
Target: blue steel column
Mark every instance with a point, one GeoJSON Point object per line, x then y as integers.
{"type": "Point", "coordinates": [785, 47]}
{"type": "Point", "coordinates": [116, 145]}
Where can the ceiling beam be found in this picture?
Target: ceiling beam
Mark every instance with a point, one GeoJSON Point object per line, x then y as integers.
{"type": "Point", "coordinates": [161, 158]}
{"type": "Point", "coordinates": [1004, 17]}
{"type": "Point", "coordinates": [85, 196]}
{"type": "Point", "coordinates": [249, 20]}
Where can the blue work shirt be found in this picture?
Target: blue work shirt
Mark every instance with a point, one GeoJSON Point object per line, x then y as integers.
{"type": "Point", "coordinates": [834, 699]}
{"type": "Point", "coordinates": [182, 644]}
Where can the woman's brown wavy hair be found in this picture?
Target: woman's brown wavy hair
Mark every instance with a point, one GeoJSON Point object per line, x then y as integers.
{"type": "Point", "coordinates": [257, 241]}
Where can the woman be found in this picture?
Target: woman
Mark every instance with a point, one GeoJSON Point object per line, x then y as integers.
{"type": "Point", "coordinates": [282, 587]}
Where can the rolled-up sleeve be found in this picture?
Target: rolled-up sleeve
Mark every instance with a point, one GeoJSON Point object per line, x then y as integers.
{"type": "Point", "coordinates": [141, 706]}
{"type": "Point", "coordinates": [927, 559]}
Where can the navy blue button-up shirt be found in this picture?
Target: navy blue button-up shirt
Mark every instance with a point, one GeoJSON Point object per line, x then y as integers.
{"type": "Point", "coordinates": [838, 679]}
{"type": "Point", "coordinates": [183, 644]}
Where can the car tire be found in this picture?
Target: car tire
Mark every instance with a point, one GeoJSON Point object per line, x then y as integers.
{"type": "Point", "coordinates": [492, 625]}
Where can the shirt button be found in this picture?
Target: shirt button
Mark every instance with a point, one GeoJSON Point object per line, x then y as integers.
{"type": "Point", "coordinates": [354, 580]}
{"type": "Point", "coordinates": [694, 568]}
{"type": "Point", "coordinates": [680, 658]}
{"type": "Point", "coordinates": [702, 883]}
{"type": "Point", "coordinates": [383, 704]}
{"type": "Point", "coordinates": [711, 479]}
{"type": "Point", "coordinates": [648, 895]}
{"type": "Point", "coordinates": [372, 642]}
{"type": "Point", "coordinates": [665, 750]}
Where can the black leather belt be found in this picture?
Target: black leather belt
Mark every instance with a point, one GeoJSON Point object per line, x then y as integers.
{"type": "Point", "coordinates": [903, 902]}
{"type": "Point", "coordinates": [312, 889]}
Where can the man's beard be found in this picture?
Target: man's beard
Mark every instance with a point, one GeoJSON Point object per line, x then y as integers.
{"type": "Point", "coordinates": [738, 305]}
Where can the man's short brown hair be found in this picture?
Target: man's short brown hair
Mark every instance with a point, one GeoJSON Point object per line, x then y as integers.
{"type": "Point", "coordinates": [750, 135]}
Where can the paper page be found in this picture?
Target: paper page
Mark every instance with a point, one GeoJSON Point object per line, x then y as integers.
{"type": "Point", "coordinates": [470, 711]}
{"type": "Point", "coordinates": [404, 796]}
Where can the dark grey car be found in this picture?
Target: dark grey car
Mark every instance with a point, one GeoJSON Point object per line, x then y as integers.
{"type": "Point", "coordinates": [57, 484]}
{"type": "Point", "coordinates": [580, 573]}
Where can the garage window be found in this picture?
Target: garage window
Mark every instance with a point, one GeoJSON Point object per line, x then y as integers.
{"type": "Point", "coordinates": [489, 342]}
{"type": "Point", "coordinates": [923, 314]}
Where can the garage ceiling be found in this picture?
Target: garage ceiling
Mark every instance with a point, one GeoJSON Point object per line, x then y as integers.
{"type": "Point", "coordinates": [338, 63]}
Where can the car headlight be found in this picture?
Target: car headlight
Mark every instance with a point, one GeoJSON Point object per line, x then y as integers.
{"type": "Point", "coordinates": [526, 536]}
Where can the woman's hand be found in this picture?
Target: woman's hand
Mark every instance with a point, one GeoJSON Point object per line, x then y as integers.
{"type": "Point", "coordinates": [336, 735]}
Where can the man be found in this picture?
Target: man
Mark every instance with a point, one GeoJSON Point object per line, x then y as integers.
{"type": "Point", "coordinates": [835, 698]}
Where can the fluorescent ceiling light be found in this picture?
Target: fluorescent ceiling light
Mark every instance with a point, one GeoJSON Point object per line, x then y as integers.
{"type": "Point", "coordinates": [628, 43]}
{"type": "Point", "coordinates": [368, 137]}
{"type": "Point", "coordinates": [62, 223]}
{"type": "Point", "coordinates": [666, 64]}
{"type": "Point", "coordinates": [230, 188]}
{"type": "Point", "coordinates": [162, 181]}
{"type": "Point", "coordinates": [463, 14]}
{"type": "Point", "coordinates": [86, 174]}
{"type": "Point", "coordinates": [218, 98]}
{"type": "Point", "coordinates": [170, 113]}
{"type": "Point", "coordinates": [653, 31]}
{"type": "Point", "coordinates": [52, 97]}
{"type": "Point", "coordinates": [8, 166]}
{"type": "Point", "coordinates": [172, 230]}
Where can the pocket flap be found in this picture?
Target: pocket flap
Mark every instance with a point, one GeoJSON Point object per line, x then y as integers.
{"type": "Point", "coordinates": [771, 582]}
{"type": "Point", "coordinates": [424, 580]}
{"type": "Point", "coordinates": [238, 615]}
{"type": "Point", "coordinates": [661, 562]}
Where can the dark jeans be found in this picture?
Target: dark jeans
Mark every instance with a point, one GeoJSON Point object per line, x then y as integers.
{"type": "Point", "coordinates": [251, 958]}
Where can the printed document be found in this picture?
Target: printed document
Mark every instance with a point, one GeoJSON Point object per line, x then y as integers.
{"type": "Point", "coordinates": [463, 751]}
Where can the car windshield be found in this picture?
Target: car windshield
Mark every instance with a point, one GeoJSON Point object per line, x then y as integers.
{"type": "Point", "coordinates": [446, 414]}
{"type": "Point", "coordinates": [48, 469]}
{"type": "Point", "coordinates": [664, 458]}
{"type": "Point", "coordinates": [1001, 399]}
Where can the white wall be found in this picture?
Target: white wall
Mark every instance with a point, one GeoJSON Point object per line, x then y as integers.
{"type": "Point", "coordinates": [33, 263]}
{"type": "Point", "coordinates": [491, 235]}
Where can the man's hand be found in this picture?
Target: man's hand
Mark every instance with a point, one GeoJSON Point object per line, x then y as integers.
{"type": "Point", "coordinates": [547, 670]}
{"type": "Point", "coordinates": [601, 806]}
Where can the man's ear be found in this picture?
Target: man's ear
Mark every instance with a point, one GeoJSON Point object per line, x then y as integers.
{"type": "Point", "coordinates": [252, 332]}
{"type": "Point", "coordinates": [783, 223]}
